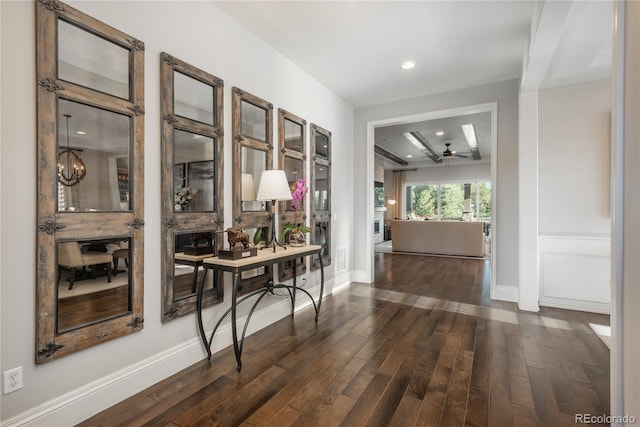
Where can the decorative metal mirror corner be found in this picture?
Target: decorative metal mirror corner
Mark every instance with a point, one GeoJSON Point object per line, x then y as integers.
{"type": "Point", "coordinates": [252, 121]}
{"type": "Point", "coordinates": [320, 189]}
{"type": "Point", "coordinates": [192, 184]}
{"type": "Point", "coordinates": [292, 158]}
{"type": "Point", "coordinates": [90, 177]}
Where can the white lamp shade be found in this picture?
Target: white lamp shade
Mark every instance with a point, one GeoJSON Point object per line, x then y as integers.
{"type": "Point", "coordinates": [273, 186]}
{"type": "Point", "coordinates": [248, 189]}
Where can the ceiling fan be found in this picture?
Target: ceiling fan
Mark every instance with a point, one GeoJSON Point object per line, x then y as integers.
{"type": "Point", "coordinates": [450, 153]}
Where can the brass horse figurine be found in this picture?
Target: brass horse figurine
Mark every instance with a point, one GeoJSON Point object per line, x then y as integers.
{"type": "Point", "coordinates": [236, 235]}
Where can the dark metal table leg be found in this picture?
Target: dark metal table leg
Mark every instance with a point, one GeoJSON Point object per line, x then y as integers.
{"type": "Point", "coordinates": [295, 280]}
{"type": "Point", "coordinates": [234, 326]}
{"type": "Point", "coordinates": [195, 278]}
{"type": "Point", "coordinates": [203, 336]}
{"type": "Point", "coordinates": [321, 284]}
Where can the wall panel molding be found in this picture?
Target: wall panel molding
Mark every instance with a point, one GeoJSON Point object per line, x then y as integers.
{"type": "Point", "coordinates": [575, 272]}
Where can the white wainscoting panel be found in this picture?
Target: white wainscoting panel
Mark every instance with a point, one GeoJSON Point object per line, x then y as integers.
{"type": "Point", "coordinates": [575, 272]}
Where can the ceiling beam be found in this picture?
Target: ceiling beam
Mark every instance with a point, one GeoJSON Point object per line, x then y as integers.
{"type": "Point", "coordinates": [546, 34]}
{"type": "Point", "coordinates": [427, 149]}
{"type": "Point", "coordinates": [384, 153]}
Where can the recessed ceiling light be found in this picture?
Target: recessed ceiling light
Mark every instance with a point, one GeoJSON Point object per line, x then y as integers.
{"type": "Point", "coordinates": [81, 132]}
{"type": "Point", "coordinates": [439, 133]}
{"type": "Point", "coordinates": [408, 65]}
{"type": "Point", "coordinates": [409, 155]}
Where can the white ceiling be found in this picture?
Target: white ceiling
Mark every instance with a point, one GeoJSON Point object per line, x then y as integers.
{"type": "Point", "coordinates": [356, 48]}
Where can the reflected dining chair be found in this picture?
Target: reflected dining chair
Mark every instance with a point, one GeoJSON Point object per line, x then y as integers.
{"type": "Point", "coordinates": [123, 253]}
{"type": "Point", "coordinates": [70, 256]}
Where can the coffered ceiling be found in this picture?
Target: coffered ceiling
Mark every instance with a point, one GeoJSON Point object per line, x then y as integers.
{"type": "Point", "coordinates": [436, 133]}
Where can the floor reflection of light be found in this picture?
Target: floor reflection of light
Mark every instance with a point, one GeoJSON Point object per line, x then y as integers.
{"type": "Point", "coordinates": [603, 332]}
{"type": "Point", "coordinates": [430, 303]}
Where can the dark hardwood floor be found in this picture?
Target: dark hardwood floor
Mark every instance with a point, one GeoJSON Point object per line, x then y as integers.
{"type": "Point", "coordinates": [423, 346]}
{"type": "Point", "coordinates": [90, 308]}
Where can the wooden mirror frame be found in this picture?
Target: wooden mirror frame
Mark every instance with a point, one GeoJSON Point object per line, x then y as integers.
{"type": "Point", "coordinates": [53, 226]}
{"type": "Point", "coordinates": [173, 222]}
{"type": "Point", "coordinates": [285, 270]}
{"type": "Point", "coordinates": [250, 219]}
{"type": "Point", "coordinates": [320, 216]}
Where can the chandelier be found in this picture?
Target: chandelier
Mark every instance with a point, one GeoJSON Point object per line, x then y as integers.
{"type": "Point", "coordinates": [71, 168]}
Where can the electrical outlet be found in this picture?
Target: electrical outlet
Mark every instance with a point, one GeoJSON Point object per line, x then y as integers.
{"type": "Point", "coordinates": [12, 380]}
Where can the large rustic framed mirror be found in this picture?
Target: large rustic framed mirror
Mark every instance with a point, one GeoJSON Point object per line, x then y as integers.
{"type": "Point", "coordinates": [192, 183]}
{"type": "Point", "coordinates": [252, 121]}
{"type": "Point", "coordinates": [90, 178]}
{"type": "Point", "coordinates": [292, 158]}
{"type": "Point", "coordinates": [320, 189]}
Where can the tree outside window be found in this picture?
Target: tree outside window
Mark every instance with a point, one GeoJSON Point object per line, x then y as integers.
{"type": "Point", "coordinates": [484, 201]}
{"type": "Point", "coordinates": [451, 201]}
{"type": "Point", "coordinates": [446, 201]}
{"type": "Point", "coordinates": [424, 202]}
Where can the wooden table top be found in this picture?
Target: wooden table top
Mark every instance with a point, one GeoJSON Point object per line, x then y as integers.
{"type": "Point", "coordinates": [265, 256]}
{"type": "Point", "coordinates": [195, 258]}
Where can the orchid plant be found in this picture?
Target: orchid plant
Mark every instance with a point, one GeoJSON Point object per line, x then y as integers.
{"type": "Point", "coordinates": [299, 190]}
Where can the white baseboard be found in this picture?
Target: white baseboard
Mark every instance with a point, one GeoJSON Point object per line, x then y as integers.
{"type": "Point", "coordinates": [84, 402]}
{"type": "Point", "coordinates": [341, 281]}
{"type": "Point", "coordinates": [579, 305]}
{"type": "Point", "coordinates": [505, 293]}
{"type": "Point", "coordinates": [360, 276]}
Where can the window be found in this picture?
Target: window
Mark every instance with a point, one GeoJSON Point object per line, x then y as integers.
{"type": "Point", "coordinates": [483, 200]}
{"type": "Point", "coordinates": [424, 202]}
{"type": "Point", "coordinates": [378, 194]}
{"type": "Point", "coordinates": [470, 201]}
{"type": "Point", "coordinates": [451, 201]}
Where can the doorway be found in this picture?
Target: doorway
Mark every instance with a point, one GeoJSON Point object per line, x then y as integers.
{"type": "Point", "coordinates": [373, 126]}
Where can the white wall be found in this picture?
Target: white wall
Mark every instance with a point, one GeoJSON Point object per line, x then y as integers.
{"type": "Point", "coordinates": [574, 178]}
{"type": "Point", "coordinates": [625, 320]}
{"type": "Point", "coordinates": [475, 172]}
{"type": "Point", "coordinates": [200, 34]}
{"type": "Point", "coordinates": [506, 95]}
{"type": "Point", "coordinates": [574, 149]}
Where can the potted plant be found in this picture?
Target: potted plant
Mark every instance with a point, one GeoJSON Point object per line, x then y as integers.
{"type": "Point", "coordinates": [183, 198]}
{"type": "Point", "coordinates": [297, 229]}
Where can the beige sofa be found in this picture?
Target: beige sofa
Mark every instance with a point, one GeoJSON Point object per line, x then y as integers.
{"type": "Point", "coordinates": [438, 237]}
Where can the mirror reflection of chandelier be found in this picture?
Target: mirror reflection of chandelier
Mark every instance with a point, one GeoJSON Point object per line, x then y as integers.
{"type": "Point", "coordinates": [71, 168]}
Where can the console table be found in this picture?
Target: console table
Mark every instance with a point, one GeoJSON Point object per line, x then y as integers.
{"type": "Point", "coordinates": [264, 258]}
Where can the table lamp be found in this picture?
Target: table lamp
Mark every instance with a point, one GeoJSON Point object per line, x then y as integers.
{"type": "Point", "coordinates": [273, 187]}
{"type": "Point", "coordinates": [248, 190]}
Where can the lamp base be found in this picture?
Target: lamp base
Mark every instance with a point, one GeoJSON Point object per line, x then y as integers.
{"type": "Point", "coordinates": [274, 241]}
